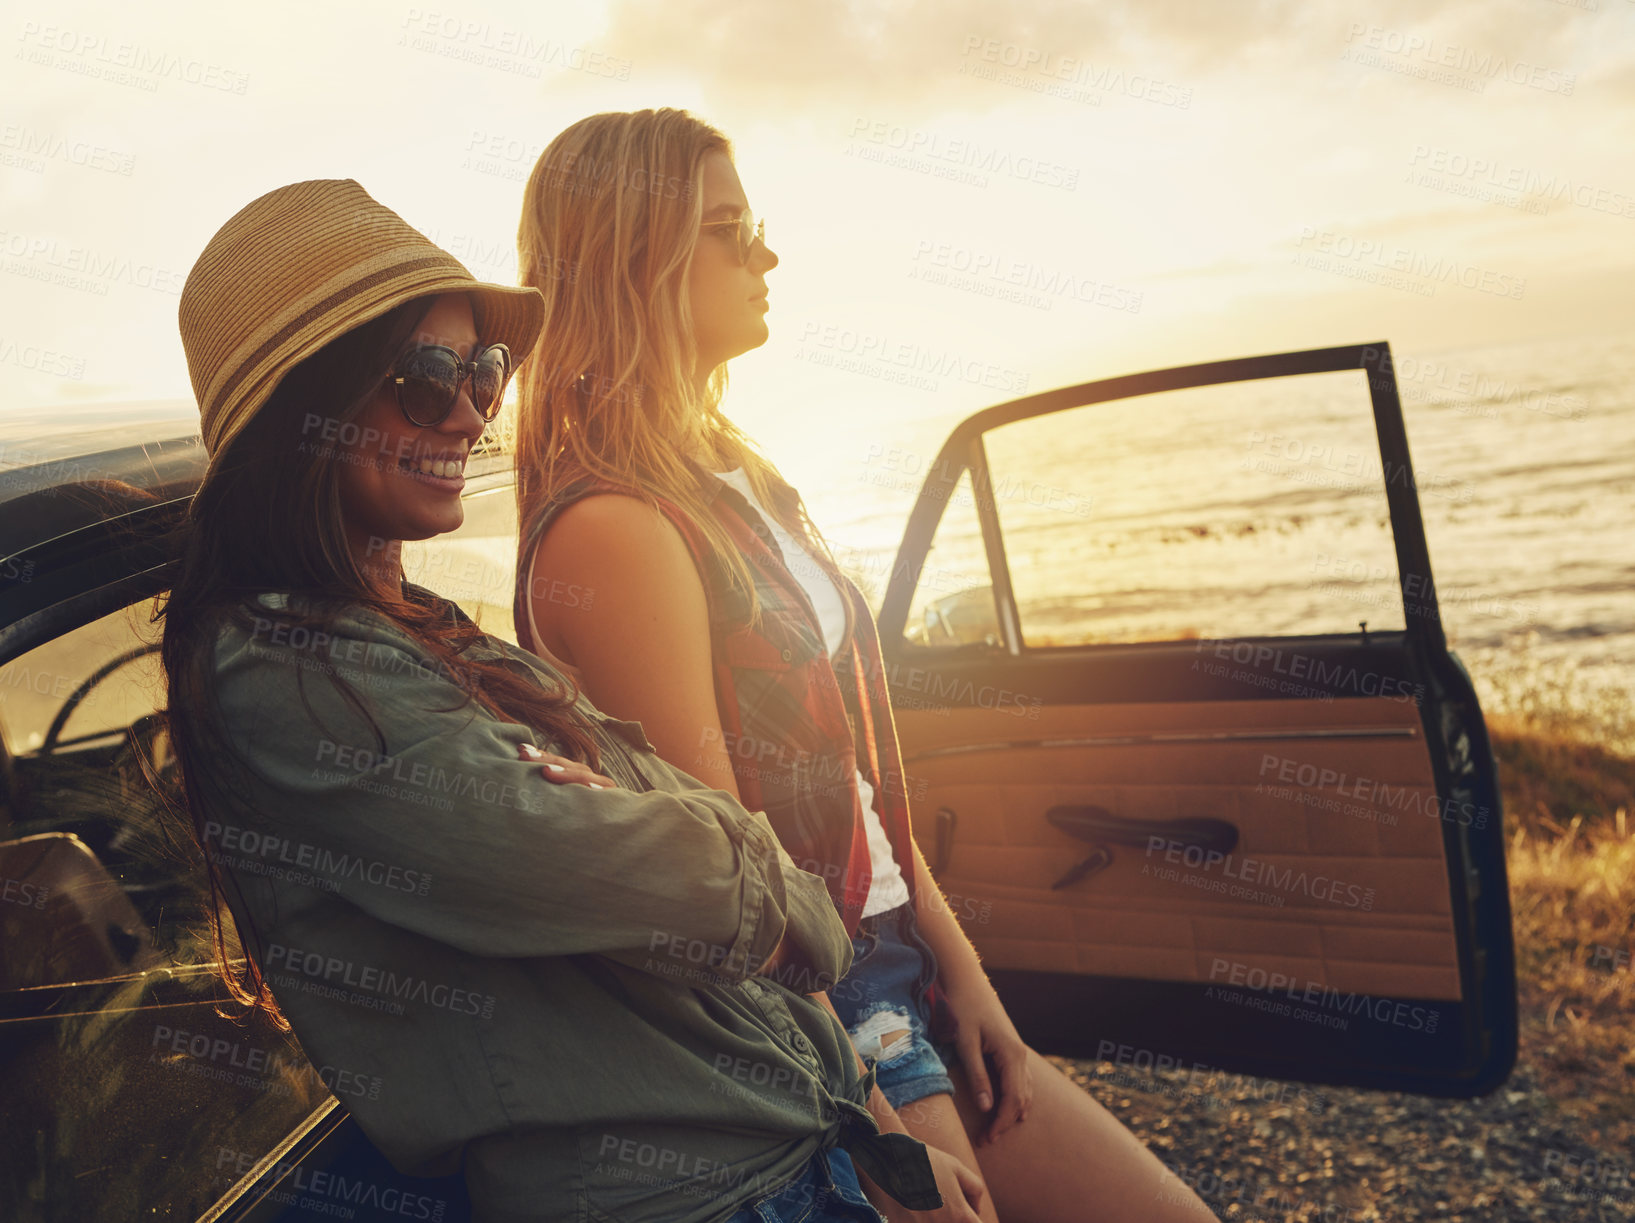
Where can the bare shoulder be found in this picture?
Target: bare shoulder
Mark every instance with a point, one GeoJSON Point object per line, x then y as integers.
{"type": "Point", "coordinates": [638, 630]}
{"type": "Point", "coordinates": [606, 525]}
{"type": "Point", "coordinates": [622, 547]}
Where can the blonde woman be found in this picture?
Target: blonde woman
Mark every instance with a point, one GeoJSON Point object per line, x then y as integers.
{"type": "Point", "coordinates": [719, 621]}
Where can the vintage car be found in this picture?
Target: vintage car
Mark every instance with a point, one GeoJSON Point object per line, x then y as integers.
{"type": "Point", "coordinates": [1191, 831]}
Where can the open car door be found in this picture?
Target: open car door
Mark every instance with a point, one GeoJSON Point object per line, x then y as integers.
{"type": "Point", "coordinates": [1186, 745]}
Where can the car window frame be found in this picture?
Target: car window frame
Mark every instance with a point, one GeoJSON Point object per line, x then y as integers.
{"type": "Point", "coordinates": [963, 451]}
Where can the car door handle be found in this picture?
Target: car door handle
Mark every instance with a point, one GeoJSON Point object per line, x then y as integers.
{"type": "Point", "coordinates": [1100, 826]}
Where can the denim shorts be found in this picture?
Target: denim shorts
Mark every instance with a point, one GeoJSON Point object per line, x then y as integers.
{"type": "Point", "coordinates": [826, 1192]}
{"type": "Point", "coordinates": [882, 996]}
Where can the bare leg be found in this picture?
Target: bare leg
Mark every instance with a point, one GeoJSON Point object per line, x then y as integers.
{"type": "Point", "coordinates": [936, 1122]}
{"type": "Point", "coordinates": [1071, 1161]}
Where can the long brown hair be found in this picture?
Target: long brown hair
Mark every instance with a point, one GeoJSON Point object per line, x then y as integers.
{"type": "Point", "coordinates": [268, 518]}
{"type": "Point", "coordinates": [610, 220]}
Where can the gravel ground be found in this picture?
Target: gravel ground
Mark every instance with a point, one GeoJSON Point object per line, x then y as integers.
{"type": "Point", "coordinates": [1257, 1150]}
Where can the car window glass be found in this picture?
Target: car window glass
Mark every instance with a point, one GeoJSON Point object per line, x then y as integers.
{"type": "Point", "coordinates": [79, 715]}
{"type": "Point", "coordinates": [952, 604]}
{"type": "Point", "coordinates": [1234, 510]}
{"type": "Point", "coordinates": [37, 687]}
{"type": "Point", "coordinates": [127, 1094]}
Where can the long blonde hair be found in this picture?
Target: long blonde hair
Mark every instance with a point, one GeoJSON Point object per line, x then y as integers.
{"type": "Point", "coordinates": [610, 220]}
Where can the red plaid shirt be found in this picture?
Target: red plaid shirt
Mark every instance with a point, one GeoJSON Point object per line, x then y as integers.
{"type": "Point", "coordinates": [796, 726]}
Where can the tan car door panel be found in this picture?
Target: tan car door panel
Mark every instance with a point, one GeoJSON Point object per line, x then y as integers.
{"type": "Point", "coordinates": [1341, 884]}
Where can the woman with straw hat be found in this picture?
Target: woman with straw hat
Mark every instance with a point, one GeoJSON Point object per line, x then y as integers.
{"type": "Point", "coordinates": [578, 975]}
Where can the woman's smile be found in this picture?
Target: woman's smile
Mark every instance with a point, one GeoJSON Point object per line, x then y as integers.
{"type": "Point", "coordinates": [442, 470]}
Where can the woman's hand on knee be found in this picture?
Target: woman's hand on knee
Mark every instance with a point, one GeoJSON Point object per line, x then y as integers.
{"type": "Point", "coordinates": [564, 771]}
{"type": "Point", "coordinates": [961, 1188]}
{"type": "Point", "coordinates": [986, 1031]}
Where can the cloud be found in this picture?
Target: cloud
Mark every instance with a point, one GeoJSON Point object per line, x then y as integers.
{"type": "Point", "coordinates": [756, 59]}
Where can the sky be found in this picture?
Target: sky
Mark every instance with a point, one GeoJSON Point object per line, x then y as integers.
{"type": "Point", "coordinates": [969, 201]}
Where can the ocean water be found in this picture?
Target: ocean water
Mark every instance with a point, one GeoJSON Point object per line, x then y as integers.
{"type": "Point", "coordinates": [1260, 508]}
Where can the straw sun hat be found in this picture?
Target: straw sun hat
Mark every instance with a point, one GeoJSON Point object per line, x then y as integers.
{"type": "Point", "coordinates": [297, 268]}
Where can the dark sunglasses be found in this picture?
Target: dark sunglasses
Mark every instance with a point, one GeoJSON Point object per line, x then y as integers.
{"type": "Point", "coordinates": [428, 381]}
{"type": "Point", "coordinates": [746, 232]}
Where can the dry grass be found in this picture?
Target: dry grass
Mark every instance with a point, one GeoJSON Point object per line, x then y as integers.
{"type": "Point", "coordinates": [1572, 889]}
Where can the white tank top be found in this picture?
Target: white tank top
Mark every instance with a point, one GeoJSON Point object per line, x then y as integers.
{"type": "Point", "coordinates": [887, 889]}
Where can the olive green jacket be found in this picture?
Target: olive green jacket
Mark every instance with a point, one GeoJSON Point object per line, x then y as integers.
{"type": "Point", "coordinates": [552, 987]}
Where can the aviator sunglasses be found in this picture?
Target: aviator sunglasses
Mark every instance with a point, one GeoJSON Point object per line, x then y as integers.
{"type": "Point", "coordinates": [428, 381]}
{"type": "Point", "coordinates": [747, 232]}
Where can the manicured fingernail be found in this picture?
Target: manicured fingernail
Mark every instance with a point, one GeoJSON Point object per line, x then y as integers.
{"type": "Point", "coordinates": [596, 785]}
{"type": "Point", "coordinates": [530, 751]}
{"type": "Point", "coordinates": [556, 768]}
